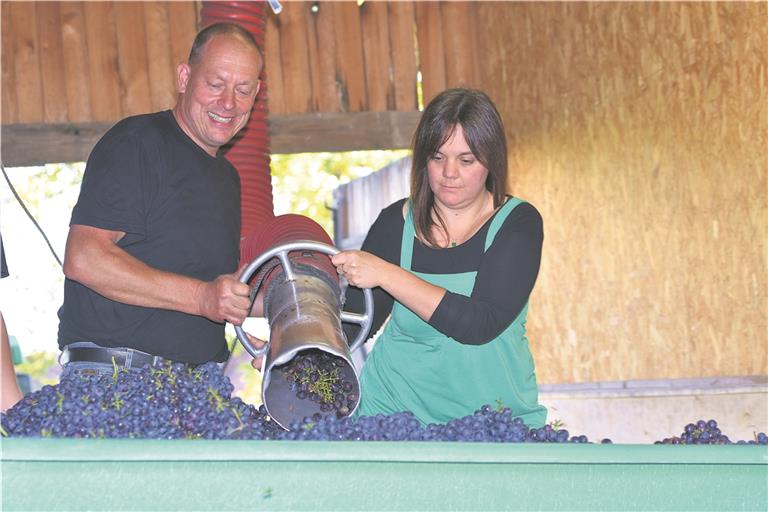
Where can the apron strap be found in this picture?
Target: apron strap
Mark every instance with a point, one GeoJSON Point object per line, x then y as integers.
{"type": "Point", "coordinates": [499, 219]}
{"type": "Point", "coordinates": [409, 234]}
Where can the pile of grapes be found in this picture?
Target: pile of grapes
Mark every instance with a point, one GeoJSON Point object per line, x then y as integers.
{"type": "Point", "coordinates": [320, 377]}
{"type": "Point", "coordinates": [167, 401]}
{"type": "Point", "coordinates": [175, 401]}
{"type": "Point", "coordinates": [707, 432]}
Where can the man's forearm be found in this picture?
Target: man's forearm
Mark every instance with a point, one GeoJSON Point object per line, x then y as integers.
{"type": "Point", "coordinates": [94, 259]}
{"type": "Point", "coordinates": [110, 271]}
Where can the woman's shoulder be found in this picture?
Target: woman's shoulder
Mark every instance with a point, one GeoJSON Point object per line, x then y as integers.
{"type": "Point", "coordinates": [396, 206]}
{"type": "Point", "coordinates": [386, 233]}
{"type": "Point", "coordinates": [395, 212]}
{"type": "Point", "coordinates": [523, 217]}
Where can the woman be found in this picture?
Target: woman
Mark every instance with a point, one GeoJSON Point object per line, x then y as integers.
{"type": "Point", "coordinates": [454, 264]}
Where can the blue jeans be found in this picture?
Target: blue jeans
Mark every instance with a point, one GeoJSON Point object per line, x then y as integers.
{"type": "Point", "coordinates": [85, 367]}
{"type": "Point", "coordinates": [93, 368]}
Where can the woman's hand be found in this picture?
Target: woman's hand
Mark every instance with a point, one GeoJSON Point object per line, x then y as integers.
{"type": "Point", "coordinates": [360, 268]}
{"type": "Point", "coordinates": [364, 270]}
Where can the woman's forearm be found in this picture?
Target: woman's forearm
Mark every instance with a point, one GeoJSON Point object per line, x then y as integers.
{"type": "Point", "coordinates": [411, 291]}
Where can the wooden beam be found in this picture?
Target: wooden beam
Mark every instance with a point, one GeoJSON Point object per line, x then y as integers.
{"type": "Point", "coordinates": [342, 131]}
{"type": "Point", "coordinates": [37, 144]}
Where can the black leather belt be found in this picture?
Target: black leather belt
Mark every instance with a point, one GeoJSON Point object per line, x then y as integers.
{"type": "Point", "coordinates": [127, 357]}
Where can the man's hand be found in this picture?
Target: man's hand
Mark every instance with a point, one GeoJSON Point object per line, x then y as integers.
{"type": "Point", "coordinates": [225, 299]}
{"type": "Point", "coordinates": [256, 362]}
{"type": "Point", "coordinates": [94, 259]}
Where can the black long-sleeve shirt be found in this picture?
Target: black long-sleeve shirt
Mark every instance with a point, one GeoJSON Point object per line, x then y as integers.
{"type": "Point", "coordinates": [506, 273]}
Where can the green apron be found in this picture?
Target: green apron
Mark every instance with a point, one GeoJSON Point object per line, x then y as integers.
{"type": "Point", "coordinates": [414, 367]}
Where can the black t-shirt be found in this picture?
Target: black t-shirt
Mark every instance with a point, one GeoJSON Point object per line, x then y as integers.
{"type": "Point", "coordinates": [506, 273]}
{"type": "Point", "coordinates": [180, 210]}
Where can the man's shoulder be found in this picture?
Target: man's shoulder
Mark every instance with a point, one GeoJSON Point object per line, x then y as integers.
{"type": "Point", "coordinates": [140, 124]}
{"type": "Point", "coordinates": [130, 133]}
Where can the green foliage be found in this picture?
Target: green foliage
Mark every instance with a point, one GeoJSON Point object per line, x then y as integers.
{"type": "Point", "coordinates": [557, 424]}
{"type": "Point", "coordinates": [245, 379]}
{"type": "Point", "coordinates": [303, 183]}
{"type": "Point", "coordinates": [40, 367]}
{"type": "Point", "coordinates": [36, 184]}
{"type": "Point", "coordinates": [216, 399]}
{"type": "Point", "coordinates": [322, 386]}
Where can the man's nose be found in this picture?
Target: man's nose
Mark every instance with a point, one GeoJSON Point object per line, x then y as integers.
{"type": "Point", "coordinates": [227, 99]}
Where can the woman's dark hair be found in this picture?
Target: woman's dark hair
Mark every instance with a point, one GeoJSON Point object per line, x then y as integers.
{"type": "Point", "coordinates": [215, 29]}
{"type": "Point", "coordinates": [484, 132]}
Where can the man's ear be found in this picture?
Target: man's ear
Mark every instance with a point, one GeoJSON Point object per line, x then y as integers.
{"type": "Point", "coordinates": [182, 77]}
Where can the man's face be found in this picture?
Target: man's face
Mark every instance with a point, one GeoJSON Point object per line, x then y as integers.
{"type": "Point", "coordinates": [216, 93]}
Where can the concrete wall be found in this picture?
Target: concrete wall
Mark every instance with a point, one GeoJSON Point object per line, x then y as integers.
{"type": "Point", "coordinates": [645, 411]}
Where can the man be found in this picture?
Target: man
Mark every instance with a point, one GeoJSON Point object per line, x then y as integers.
{"type": "Point", "coordinates": [152, 252]}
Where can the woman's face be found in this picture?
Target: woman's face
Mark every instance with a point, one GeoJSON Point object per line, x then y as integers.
{"type": "Point", "coordinates": [456, 176]}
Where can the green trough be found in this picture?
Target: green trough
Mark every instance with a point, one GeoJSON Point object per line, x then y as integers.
{"type": "Point", "coordinates": [154, 475]}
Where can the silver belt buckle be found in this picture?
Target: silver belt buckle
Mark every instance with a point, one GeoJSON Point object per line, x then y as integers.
{"type": "Point", "coordinates": [128, 358]}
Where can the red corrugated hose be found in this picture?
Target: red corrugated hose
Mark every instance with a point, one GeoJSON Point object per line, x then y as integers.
{"type": "Point", "coordinates": [288, 228]}
{"type": "Point", "coordinates": [249, 153]}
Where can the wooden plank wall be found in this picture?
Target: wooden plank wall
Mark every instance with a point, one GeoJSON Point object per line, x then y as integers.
{"type": "Point", "coordinates": [341, 57]}
{"type": "Point", "coordinates": [101, 61]}
{"type": "Point", "coordinates": [91, 61]}
{"type": "Point", "coordinates": [75, 68]}
{"type": "Point", "coordinates": [640, 131]}
{"type": "Point", "coordinates": [358, 203]}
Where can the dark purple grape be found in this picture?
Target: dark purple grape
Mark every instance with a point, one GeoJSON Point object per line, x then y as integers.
{"type": "Point", "coordinates": [322, 377]}
{"type": "Point", "coordinates": [179, 402]}
{"type": "Point", "coordinates": [163, 402]}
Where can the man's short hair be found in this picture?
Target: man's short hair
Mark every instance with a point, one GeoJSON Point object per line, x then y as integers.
{"type": "Point", "coordinates": [215, 29]}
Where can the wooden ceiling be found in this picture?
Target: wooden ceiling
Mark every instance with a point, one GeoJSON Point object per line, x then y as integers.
{"type": "Point", "coordinates": [340, 75]}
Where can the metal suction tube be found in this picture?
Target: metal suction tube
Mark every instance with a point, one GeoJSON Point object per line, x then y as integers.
{"type": "Point", "coordinates": [303, 308]}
